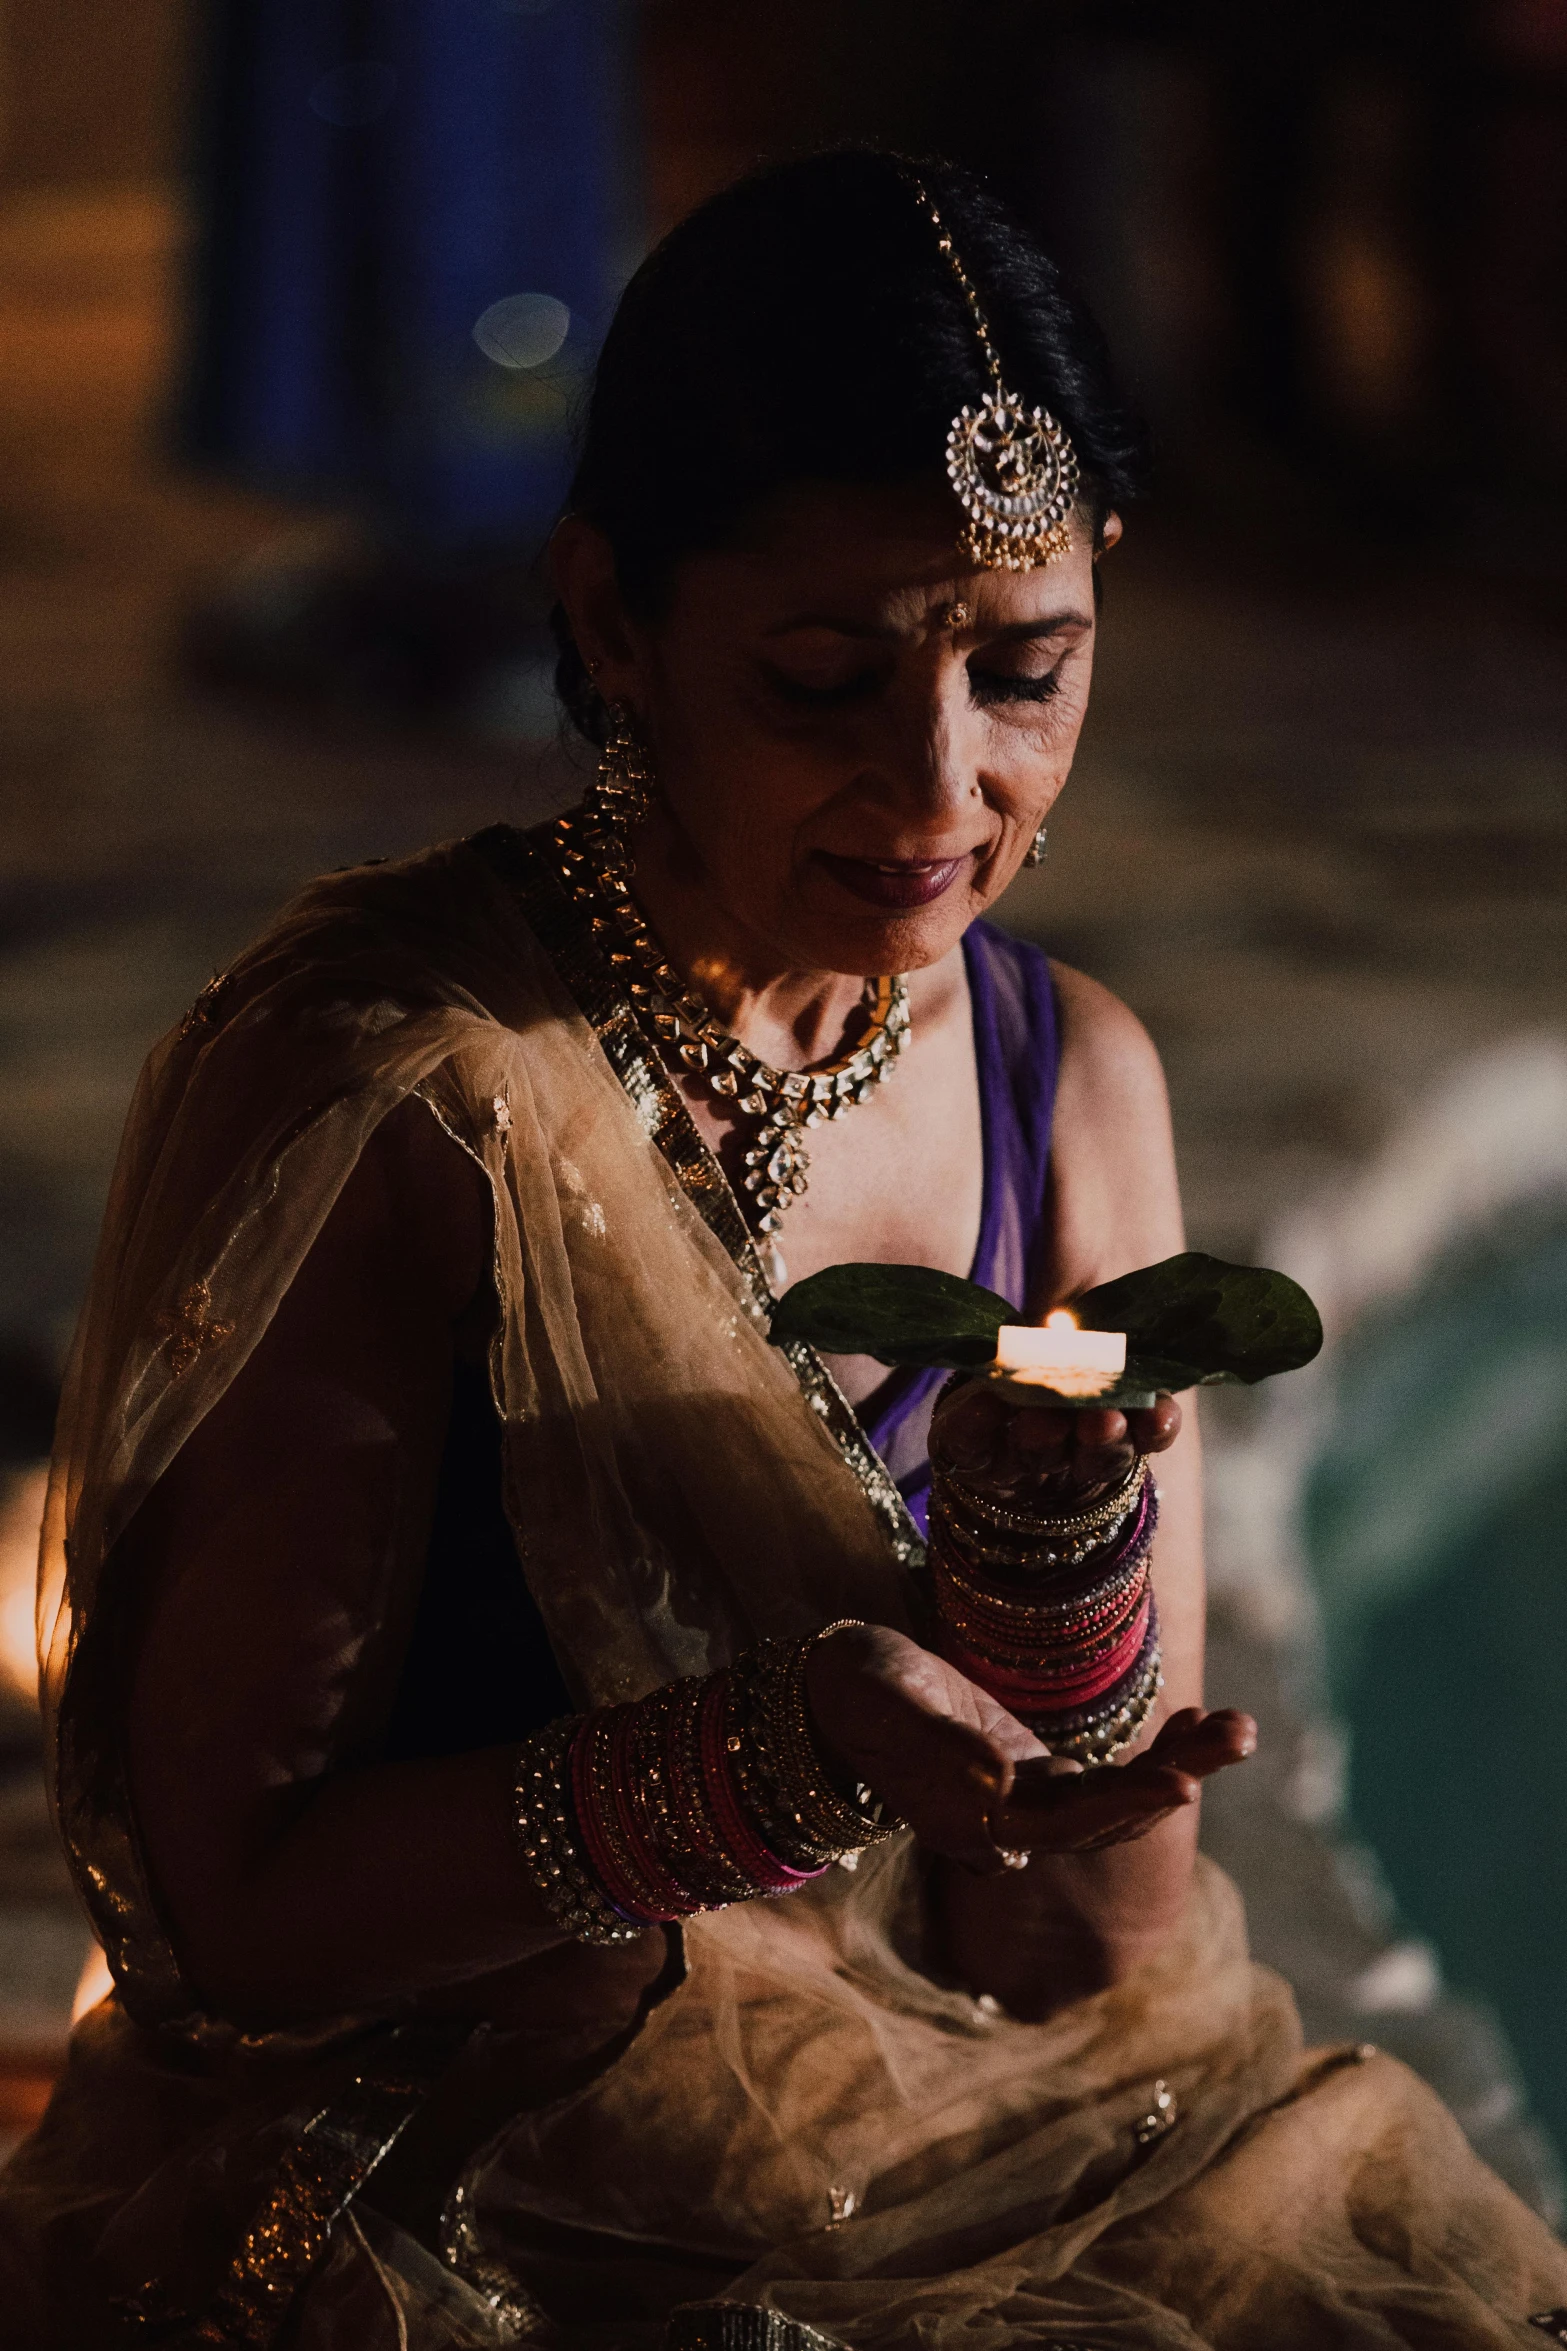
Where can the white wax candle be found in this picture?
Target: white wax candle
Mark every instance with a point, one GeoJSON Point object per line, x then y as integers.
{"type": "Point", "coordinates": [1059, 1355]}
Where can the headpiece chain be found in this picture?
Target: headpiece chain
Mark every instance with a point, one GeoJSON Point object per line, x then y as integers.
{"type": "Point", "coordinates": [1013, 469]}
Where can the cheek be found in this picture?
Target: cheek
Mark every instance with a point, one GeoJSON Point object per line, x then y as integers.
{"type": "Point", "coordinates": [738, 786]}
{"type": "Point", "coordinates": [1023, 752]}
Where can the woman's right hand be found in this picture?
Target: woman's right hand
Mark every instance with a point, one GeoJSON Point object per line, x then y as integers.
{"type": "Point", "coordinates": [946, 1757]}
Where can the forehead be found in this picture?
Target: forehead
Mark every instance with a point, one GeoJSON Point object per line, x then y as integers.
{"type": "Point", "coordinates": [865, 551]}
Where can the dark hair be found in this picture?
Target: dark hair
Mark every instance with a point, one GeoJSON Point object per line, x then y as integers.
{"type": "Point", "coordinates": [804, 325]}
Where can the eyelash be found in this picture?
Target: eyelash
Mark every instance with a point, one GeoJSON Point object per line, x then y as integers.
{"type": "Point", "coordinates": [987, 686]}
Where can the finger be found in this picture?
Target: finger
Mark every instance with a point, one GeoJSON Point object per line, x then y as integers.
{"type": "Point", "coordinates": [1100, 1428]}
{"type": "Point", "coordinates": [1190, 1747]}
{"type": "Point", "coordinates": [1065, 1815]}
{"type": "Point", "coordinates": [969, 1428]}
{"type": "Point", "coordinates": [1156, 1429]}
{"type": "Point", "coordinates": [1040, 1441]}
{"type": "Point", "coordinates": [1204, 1743]}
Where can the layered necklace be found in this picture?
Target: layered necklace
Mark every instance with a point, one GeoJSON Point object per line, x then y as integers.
{"type": "Point", "coordinates": [596, 866]}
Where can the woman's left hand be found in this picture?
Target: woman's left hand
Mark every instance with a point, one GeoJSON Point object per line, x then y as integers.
{"type": "Point", "coordinates": [1062, 1808]}
{"type": "Point", "coordinates": [1035, 1454]}
{"type": "Point", "coordinates": [969, 1779]}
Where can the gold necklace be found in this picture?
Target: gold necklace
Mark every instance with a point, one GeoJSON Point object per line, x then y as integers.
{"type": "Point", "coordinates": [596, 866]}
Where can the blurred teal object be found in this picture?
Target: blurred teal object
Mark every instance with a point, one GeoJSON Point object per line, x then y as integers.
{"type": "Point", "coordinates": [1436, 1526]}
{"type": "Point", "coordinates": [410, 237]}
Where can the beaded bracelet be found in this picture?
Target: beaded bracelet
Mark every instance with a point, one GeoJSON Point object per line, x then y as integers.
{"type": "Point", "coordinates": [709, 1791]}
{"type": "Point", "coordinates": [546, 1831]}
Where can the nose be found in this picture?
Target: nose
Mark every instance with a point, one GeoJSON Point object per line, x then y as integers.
{"type": "Point", "coordinates": [933, 751]}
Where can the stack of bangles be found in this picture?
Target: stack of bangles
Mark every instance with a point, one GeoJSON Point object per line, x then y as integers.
{"type": "Point", "coordinates": [1055, 1617]}
{"type": "Point", "coordinates": [710, 1791]}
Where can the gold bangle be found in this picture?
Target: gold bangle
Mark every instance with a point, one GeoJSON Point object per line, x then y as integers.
{"type": "Point", "coordinates": [760, 1775]}
{"type": "Point", "coordinates": [948, 1550]}
{"type": "Point", "coordinates": [837, 1825]}
{"type": "Point", "coordinates": [695, 1849]}
{"type": "Point", "coordinates": [1034, 1524]}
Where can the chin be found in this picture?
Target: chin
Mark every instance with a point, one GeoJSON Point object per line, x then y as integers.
{"type": "Point", "coordinates": [868, 943]}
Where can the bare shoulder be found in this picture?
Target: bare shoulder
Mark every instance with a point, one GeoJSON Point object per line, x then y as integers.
{"type": "Point", "coordinates": [1106, 1053]}
{"type": "Point", "coordinates": [1115, 1201]}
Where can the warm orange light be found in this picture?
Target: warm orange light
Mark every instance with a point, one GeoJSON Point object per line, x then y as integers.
{"type": "Point", "coordinates": [1061, 1356]}
{"type": "Point", "coordinates": [95, 1984]}
{"type": "Point", "coordinates": [21, 1515]}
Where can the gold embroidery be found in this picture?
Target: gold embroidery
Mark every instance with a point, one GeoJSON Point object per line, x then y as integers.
{"type": "Point", "coordinates": [313, 2182]}
{"type": "Point", "coordinates": [204, 1012]}
{"type": "Point", "coordinates": [190, 1330]}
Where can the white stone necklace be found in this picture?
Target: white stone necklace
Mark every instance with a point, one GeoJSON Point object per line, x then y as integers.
{"type": "Point", "coordinates": [596, 866]}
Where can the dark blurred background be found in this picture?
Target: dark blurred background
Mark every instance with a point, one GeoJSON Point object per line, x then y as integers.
{"type": "Point", "coordinates": [298, 299]}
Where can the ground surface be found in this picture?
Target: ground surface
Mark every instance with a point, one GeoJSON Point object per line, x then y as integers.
{"type": "Point", "coordinates": [1317, 837]}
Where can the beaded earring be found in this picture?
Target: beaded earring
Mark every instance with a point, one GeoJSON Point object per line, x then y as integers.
{"type": "Point", "coordinates": [1038, 848]}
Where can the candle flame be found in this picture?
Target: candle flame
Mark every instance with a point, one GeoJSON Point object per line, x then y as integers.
{"type": "Point", "coordinates": [1061, 1318]}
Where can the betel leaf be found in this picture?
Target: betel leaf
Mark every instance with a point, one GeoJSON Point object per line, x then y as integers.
{"type": "Point", "coordinates": [901, 1314]}
{"type": "Point", "coordinates": [1190, 1320]}
{"type": "Point", "coordinates": [1201, 1319]}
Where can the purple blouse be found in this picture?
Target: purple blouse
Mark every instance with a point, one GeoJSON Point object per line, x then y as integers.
{"type": "Point", "coordinates": [1017, 1052]}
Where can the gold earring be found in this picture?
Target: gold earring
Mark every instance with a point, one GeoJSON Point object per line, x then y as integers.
{"type": "Point", "coordinates": [626, 787]}
{"type": "Point", "coordinates": [1037, 848]}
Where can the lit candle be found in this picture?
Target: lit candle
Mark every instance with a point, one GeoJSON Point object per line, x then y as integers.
{"type": "Point", "coordinates": [1061, 1356]}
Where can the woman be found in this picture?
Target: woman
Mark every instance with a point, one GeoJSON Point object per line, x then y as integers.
{"type": "Point", "coordinates": [437, 1243]}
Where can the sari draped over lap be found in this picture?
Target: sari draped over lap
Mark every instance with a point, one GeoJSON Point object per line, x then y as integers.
{"type": "Point", "coordinates": [803, 2121]}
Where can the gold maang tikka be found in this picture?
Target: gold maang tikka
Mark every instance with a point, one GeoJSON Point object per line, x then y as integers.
{"type": "Point", "coordinates": [1013, 469]}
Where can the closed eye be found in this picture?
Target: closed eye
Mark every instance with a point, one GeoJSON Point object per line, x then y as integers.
{"type": "Point", "coordinates": [989, 686]}
{"type": "Point", "coordinates": [858, 688]}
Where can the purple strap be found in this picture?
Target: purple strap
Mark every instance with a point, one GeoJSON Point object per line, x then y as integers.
{"type": "Point", "coordinates": [1016, 1052]}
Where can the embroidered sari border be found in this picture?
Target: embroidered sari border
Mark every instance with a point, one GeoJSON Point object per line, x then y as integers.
{"type": "Point", "coordinates": [565, 933]}
{"type": "Point", "coordinates": [312, 2183]}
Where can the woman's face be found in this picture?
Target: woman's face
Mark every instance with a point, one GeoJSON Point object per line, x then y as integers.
{"type": "Point", "coordinates": [850, 769]}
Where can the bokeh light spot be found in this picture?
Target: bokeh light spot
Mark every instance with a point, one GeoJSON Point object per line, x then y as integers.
{"type": "Point", "coordinates": [353, 94]}
{"type": "Point", "coordinates": [522, 330]}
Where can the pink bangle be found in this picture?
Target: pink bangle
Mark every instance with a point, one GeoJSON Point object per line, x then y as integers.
{"type": "Point", "coordinates": [631, 1900]}
{"type": "Point", "coordinates": [772, 1875]}
{"type": "Point", "coordinates": [1039, 1687]}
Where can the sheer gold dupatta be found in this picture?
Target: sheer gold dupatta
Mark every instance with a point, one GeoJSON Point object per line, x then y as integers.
{"type": "Point", "coordinates": [810, 2124]}
{"type": "Point", "coordinates": [675, 1490]}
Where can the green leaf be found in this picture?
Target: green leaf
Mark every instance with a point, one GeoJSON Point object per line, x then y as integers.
{"type": "Point", "coordinates": [898, 1313]}
{"type": "Point", "coordinates": [1205, 1320]}
{"type": "Point", "coordinates": [1191, 1320]}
